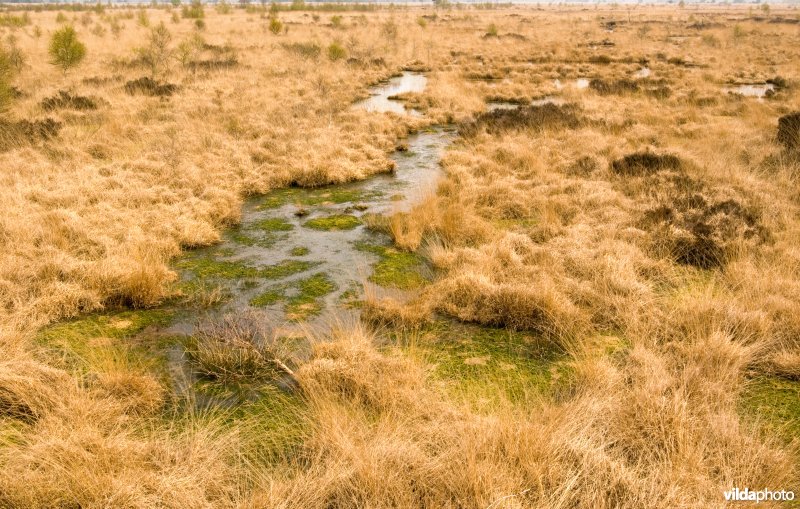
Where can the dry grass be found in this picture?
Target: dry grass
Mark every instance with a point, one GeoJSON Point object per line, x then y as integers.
{"type": "Point", "coordinates": [650, 237]}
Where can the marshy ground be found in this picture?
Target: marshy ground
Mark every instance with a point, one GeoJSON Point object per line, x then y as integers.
{"type": "Point", "coordinates": [350, 256]}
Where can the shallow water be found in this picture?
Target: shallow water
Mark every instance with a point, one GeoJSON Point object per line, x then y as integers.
{"type": "Point", "coordinates": [334, 253]}
{"type": "Point", "coordinates": [507, 105]}
{"type": "Point", "coordinates": [579, 83]}
{"type": "Point", "coordinates": [271, 260]}
{"type": "Point", "coordinates": [380, 100]}
{"type": "Point", "coordinates": [758, 90]}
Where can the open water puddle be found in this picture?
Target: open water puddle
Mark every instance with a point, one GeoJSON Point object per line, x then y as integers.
{"type": "Point", "coordinates": [303, 255]}
{"type": "Point", "coordinates": [382, 100]}
{"type": "Point", "coordinates": [579, 83]}
{"type": "Point", "coordinates": [758, 90]}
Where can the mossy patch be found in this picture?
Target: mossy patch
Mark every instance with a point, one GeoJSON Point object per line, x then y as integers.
{"type": "Point", "coordinates": [775, 403]}
{"type": "Point", "coordinates": [284, 269]}
{"type": "Point", "coordinates": [262, 233]}
{"type": "Point", "coordinates": [272, 421]}
{"type": "Point", "coordinates": [332, 194]}
{"type": "Point", "coordinates": [483, 365]}
{"type": "Point", "coordinates": [207, 267]}
{"type": "Point", "coordinates": [302, 297]}
{"type": "Point", "coordinates": [268, 298]}
{"type": "Point", "coordinates": [350, 298]}
{"type": "Point", "coordinates": [202, 293]}
{"type": "Point", "coordinates": [307, 303]}
{"type": "Point", "coordinates": [102, 339]}
{"type": "Point", "coordinates": [116, 325]}
{"type": "Point", "coordinates": [395, 269]}
{"type": "Point", "coordinates": [273, 224]}
{"type": "Point", "coordinates": [299, 251]}
{"type": "Point", "coordinates": [333, 222]}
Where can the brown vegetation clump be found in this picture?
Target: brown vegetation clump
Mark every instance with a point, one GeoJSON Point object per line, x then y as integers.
{"type": "Point", "coordinates": [28, 389]}
{"type": "Point", "coordinates": [388, 312]}
{"type": "Point", "coordinates": [137, 393]}
{"type": "Point", "coordinates": [148, 86]}
{"type": "Point", "coordinates": [537, 117]}
{"type": "Point", "coordinates": [621, 86]}
{"type": "Point", "coordinates": [645, 163]}
{"type": "Point", "coordinates": [350, 369]}
{"type": "Point", "coordinates": [786, 363]}
{"type": "Point", "coordinates": [789, 131]}
{"type": "Point", "coordinates": [64, 99]}
{"type": "Point", "coordinates": [240, 347]}
{"type": "Point", "coordinates": [703, 233]}
{"type": "Point", "coordinates": [14, 133]}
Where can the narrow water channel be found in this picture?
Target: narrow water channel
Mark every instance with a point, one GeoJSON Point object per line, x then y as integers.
{"type": "Point", "coordinates": [303, 256]}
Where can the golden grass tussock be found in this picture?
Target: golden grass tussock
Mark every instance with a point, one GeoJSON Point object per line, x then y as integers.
{"type": "Point", "coordinates": [626, 439]}
{"type": "Point", "coordinates": [640, 229]}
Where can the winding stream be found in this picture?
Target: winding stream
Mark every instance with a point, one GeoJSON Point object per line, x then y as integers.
{"type": "Point", "coordinates": [303, 256]}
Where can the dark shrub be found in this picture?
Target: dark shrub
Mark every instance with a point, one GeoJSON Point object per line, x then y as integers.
{"type": "Point", "coordinates": [603, 87]}
{"type": "Point", "coordinates": [583, 166]}
{"type": "Point", "coordinates": [778, 82]}
{"type": "Point", "coordinates": [698, 231]}
{"type": "Point", "coordinates": [645, 163]}
{"type": "Point", "coordinates": [789, 131]}
{"type": "Point", "coordinates": [600, 59]}
{"type": "Point", "coordinates": [148, 86]}
{"type": "Point", "coordinates": [64, 99]}
{"type": "Point", "coordinates": [26, 131]}
{"type": "Point", "coordinates": [525, 117]}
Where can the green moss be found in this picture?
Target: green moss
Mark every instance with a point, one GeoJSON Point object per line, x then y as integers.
{"type": "Point", "coordinates": [299, 251]}
{"type": "Point", "coordinates": [482, 365]}
{"type": "Point", "coordinates": [333, 222]}
{"type": "Point", "coordinates": [395, 269]}
{"type": "Point", "coordinates": [271, 422]}
{"type": "Point", "coordinates": [267, 298]}
{"type": "Point", "coordinates": [245, 239]}
{"type": "Point", "coordinates": [99, 340]}
{"type": "Point", "coordinates": [775, 403]}
{"type": "Point", "coordinates": [331, 194]}
{"type": "Point", "coordinates": [305, 299]}
{"type": "Point", "coordinates": [120, 324]}
{"type": "Point", "coordinates": [200, 292]}
{"type": "Point", "coordinates": [306, 302]}
{"type": "Point", "coordinates": [273, 224]}
{"type": "Point", "coordinates": [350, 298]}
{"type": "Point", "coordinates": [205, 267]}
{"type": "Point", "coordinates": [284, 269]}
{"type": "Point", "coordinates": [263, 233]}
